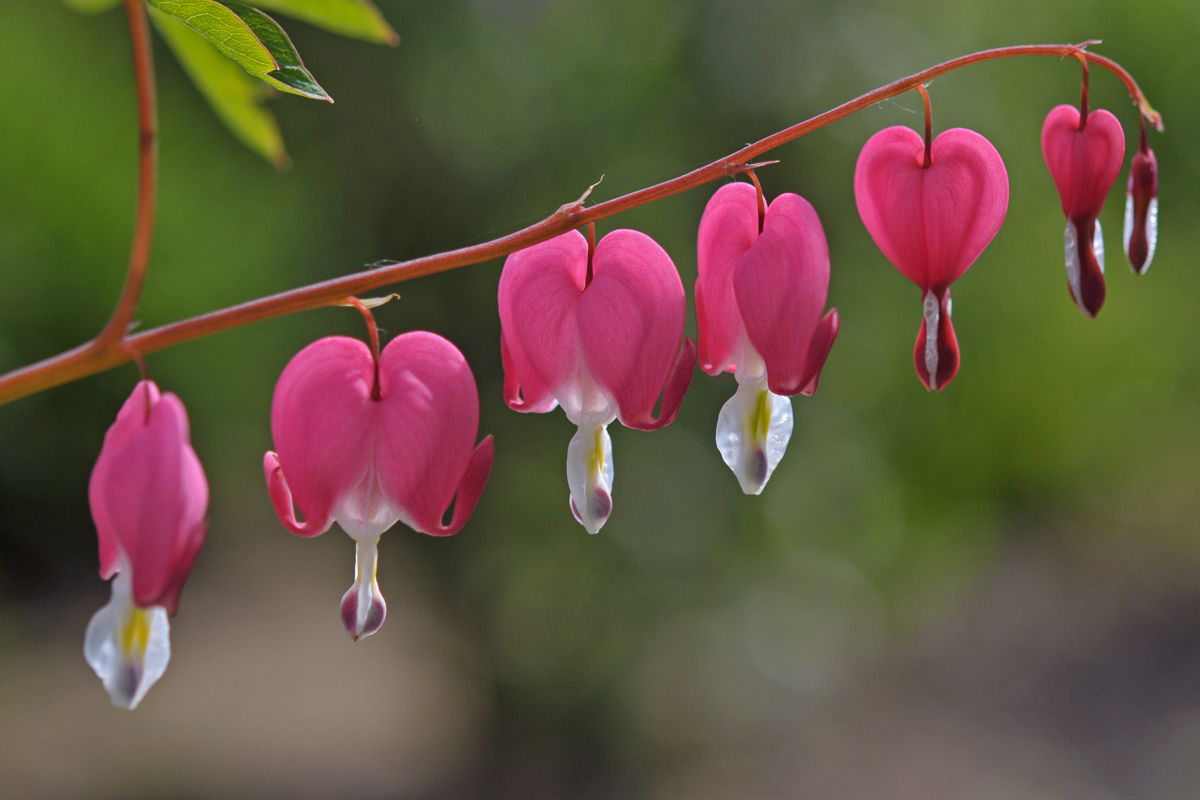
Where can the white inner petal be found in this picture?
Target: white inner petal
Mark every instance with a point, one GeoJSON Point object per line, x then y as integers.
{"type": "Point", "coordinates": [365, 511]}
{"type": "Point", "coordinates": [590, 476]}
{"type": "Point", "coordinates": [754, 426]}
{"type": "Point", "coordinates": [933, 315]}
{"type": "Point", "coordinates": [128, 647]}
{"type": "Point", "coordinates": [1098, 246]}
{"type": "Point", "coordinates": [1151, 232]}
{"type": "Point", "coordinates": [1072, 256]}
{"type": "Point", "coordinates": [1127, 234]}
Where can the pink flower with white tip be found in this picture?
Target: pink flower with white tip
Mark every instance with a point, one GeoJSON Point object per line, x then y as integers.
{"type": "Point", "coordinates": [368, 442]}
{"type": "Point", "coordinates": [760, 303]}
{"type": "Point", "coordinates": [932, 207]}
{"type": "Point", "coordinates": [148, 496]}
{"type": "Point", "coordinates": [596, 331]}
{"type": "Point", "coordinates": [1084, 156]}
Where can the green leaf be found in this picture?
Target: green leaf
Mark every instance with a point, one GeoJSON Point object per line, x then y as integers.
{"type": "Point", "coordinates": [357, 18]}
{"type": "Point", "coordinates": [224, 29]}
{"type": "Point", "coordinates": [234, 96]}
{"type": "Point", "coordinates": [291, 75]}
{"type": "Point", "coordinates": [91, 6]}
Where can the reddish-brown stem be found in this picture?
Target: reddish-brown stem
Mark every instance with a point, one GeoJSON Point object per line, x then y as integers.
{"type": "Point", "coordinates": [373, 335]}
{"type": "Point", "coordinates": [97, 356]}
{"type": "Point", "coordinates": [928, 126]}
{"type": "Point", "coordinates": [591, 237]}
{"type": "Point", "coordinates": [762, 200]}
{"type": "Point", "coordinates": [1083, 93]}
{"type": "Point", "coordinates": [139, 258]}
{"type": "Point", "coordinates": [1143, 145]}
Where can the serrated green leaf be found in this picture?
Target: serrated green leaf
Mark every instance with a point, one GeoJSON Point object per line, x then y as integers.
{"type": "Point", "coordinates": [90, 6]}
{"type": "Point", "coordinates": [357, 18]}
{"type": "Point", "coordinates": [234, 95]}
{"type": "Point", "coordinates": [291, 76]}
{"type": "Point", "coordinates": [224, 29]}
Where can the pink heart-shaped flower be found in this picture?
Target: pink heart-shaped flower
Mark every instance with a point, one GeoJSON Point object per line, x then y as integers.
{"type": "Point", "coordinates": [932, 222]}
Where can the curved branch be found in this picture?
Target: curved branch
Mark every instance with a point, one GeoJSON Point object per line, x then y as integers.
{"type": "Point", "coordinates": [98, 355]}
{"type": "Point", "coordinates": [139, 257]}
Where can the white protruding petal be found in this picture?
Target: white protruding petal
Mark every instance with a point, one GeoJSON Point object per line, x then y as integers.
{"type": "Point", "coordinates": [1151, 232]}
{"type": "Point", "coordinates": [590, 476]}
{"type": "Point", "coordinates": [363, 608]}
{"type": "Point", "coordinates": [933, 315]}
{"type": "Point", "coordinates": [745, 449]}
{"type": "Point", "coordinates": [1127, 233]}
{"type": "Point", "coordinates": [128, 647]}
{"type": "Point", "coordinates": [1098, 246]}
{"type": "Point", "coordinates": [1070, 245]}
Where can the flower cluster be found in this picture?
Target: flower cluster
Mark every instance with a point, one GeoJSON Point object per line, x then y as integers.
{"type": "Point", "coordinates": [367, 438]}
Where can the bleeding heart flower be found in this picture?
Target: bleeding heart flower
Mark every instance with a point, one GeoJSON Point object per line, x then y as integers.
{"type": "Point", "coordinates": [932, 222]}
{"type": "Point", "coordinates": [366, 444]}
{"type": "Point", "coordinates": [1141, 209]}
{"type": "Point", "coordinates": [1084, 160]}
{"type": "Point", "coordinates": [760, 296]}
{"type": "Point", "coordinates": [148, 496]}
{"type": "Point", "coordinates": [598, 334]}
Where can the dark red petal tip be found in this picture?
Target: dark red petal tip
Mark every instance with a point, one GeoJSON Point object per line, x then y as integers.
{"type": "Point", "coordinates": [937, 362]}
{"type": "Point", "coordinates": [676, 387]}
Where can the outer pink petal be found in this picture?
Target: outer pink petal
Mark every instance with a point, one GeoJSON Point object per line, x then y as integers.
{"type": "Point", "coordinates": [631, 323]}
{"type": "Point", "coordinates": [322, 418]}
{"type": "Point", "coordinates": [156, 495]}
{"type": "Point", "coordinates": [1084, 164]}
{"type": "Point", "coordinates": [781, 284]}
{"type": "Point", "coordinates": [931, 223]}
{"type": "Point", "coordinates": [131, 419]}
{"type": "Point", "coordinates": [728, 229]}
{"type": "Point", "coordinates": [428, 419]}
{"type": "Point", "coordinates": [539, 289]}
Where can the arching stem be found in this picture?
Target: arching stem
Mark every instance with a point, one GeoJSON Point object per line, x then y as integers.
{"type": "Point", "coordinates": [762, 201]}
{"type": "Point", "coordinates": [1083, 93]}
{"type": "Point", "coordinates": [928, 126]}
{"type": "Point", "coordinates": [100, 354]}
{"type": "Point", "coordinates": [373, 335]}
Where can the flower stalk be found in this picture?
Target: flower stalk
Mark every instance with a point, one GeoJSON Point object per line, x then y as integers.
{"type": "Point", "coordinates": [111, 347]}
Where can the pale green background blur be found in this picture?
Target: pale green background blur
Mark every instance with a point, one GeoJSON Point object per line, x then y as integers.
{"type": "Point", "coordinates": [989, 594]}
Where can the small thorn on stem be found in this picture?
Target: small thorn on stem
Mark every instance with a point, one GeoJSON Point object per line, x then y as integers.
{"type": "Point", "coordinates": [762, 201]}
{"type": "Point", "coordinates": [928, 126]}
{"type": "Point", "coordinates": [576, 205]}
{"type": "Point", "coordinates": [373, 333]}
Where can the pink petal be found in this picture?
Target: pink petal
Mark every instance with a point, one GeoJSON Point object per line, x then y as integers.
{"type": "Point", "coordinates": [131, 420]}
{"type": "Point", "coordinates": [322, 419]}
{"type": "Point", "coordinates": [1084, 164]}
{"type": "Point", "coordinates": [538, 291]}
{"type": "Point", "coordinates": [728, 229]}
{"type": "Point", "coordinates": [631, 322]}
{"type": "Point", "coordinates": [428, 419]}
{"type": "Point", "coordinates": [781, 284]}
{"type": "Point", "coordinates": [155, 495]}
{"type": "Point", "coordinates": [933, 223]}
{"type": "Point", "coordinates": [818, 351]}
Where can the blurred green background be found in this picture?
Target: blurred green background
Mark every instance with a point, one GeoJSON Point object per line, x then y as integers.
{"type": "Point", "coordinates": [993, 592]}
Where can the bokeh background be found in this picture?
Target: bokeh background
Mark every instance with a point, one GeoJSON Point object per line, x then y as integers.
{"type": "Point", "coordinates": [992, 593]}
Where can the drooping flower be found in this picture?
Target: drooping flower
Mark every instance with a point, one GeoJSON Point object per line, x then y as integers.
{"type": "Point", "coordinates": [148, 496]}
{"type": "Point", "coordinates": [1141, 208]}
{"type": "Point", "coordinates": [598, 334]}
{"type": "Point", "coordinates": [1084, 158]}
{"type": "Point", "coordinates": [932, 222]}
{"type": "Point", "coordinates": [760, 295]}
{"type": "Point", "coordinates": [366, 443]}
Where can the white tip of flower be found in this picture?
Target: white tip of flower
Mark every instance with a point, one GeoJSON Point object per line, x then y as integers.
{"type": "Point", "coordinates": [363, 608]}
{"type": "Point", "coordinates": [590, 476]}
{"type": "Point", "coordinates": [1151, 229]}
{"type": "Point", "coordinates": [752, 434]}
{"type": "Point", "coordinates": [127, 646]}
{"type": "Point", "coordinates": [1071, 248]}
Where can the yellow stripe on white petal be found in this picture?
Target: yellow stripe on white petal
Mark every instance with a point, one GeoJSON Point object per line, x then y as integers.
{"type": "Point", "coordinates": [754, 427]}
{"type": "Point", "coordinates": [127, 646]}
{"type": "Point", "coordinates": [590, 476]}
{"type": "Point", "coordinates": [363, 608]}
